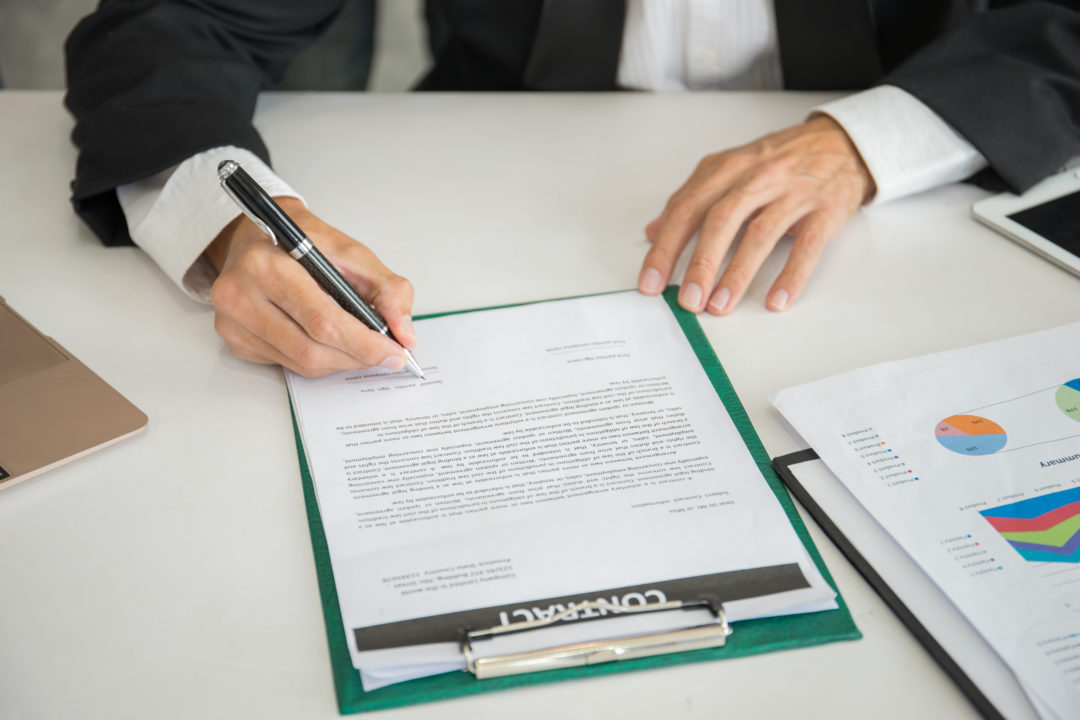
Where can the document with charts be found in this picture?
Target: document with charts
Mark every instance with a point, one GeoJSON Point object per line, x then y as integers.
{"type": "Point", "coordinates": [557, 452]}
{"type": "Point", "coordinates": [970, 459]}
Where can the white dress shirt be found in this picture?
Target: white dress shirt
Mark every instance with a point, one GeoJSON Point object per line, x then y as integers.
{"type": "Point", "coordinates": [667, 46]}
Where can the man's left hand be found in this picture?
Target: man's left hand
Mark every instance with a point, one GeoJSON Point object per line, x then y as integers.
{"type": "Point", "coordinates": [807, 180]}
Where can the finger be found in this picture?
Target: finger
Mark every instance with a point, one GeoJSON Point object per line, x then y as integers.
{"type": "Point", "coordinates": [356, 262]}
{"type": "Point", "coordinates": [273, 298]}
{"type": "Point", "coordinates": [761, 235]}
{"type": "Point", "coordinates": [668, 242]}
{"type": "Point", "coordinates": [675, 229]}
{"type": "Point", "coordinates": [393, 299]}
{"type": "Point", "coordinates": [252, 349]}
{"type": "Point", "coordinates": [247, 346]}
{"type": "Point", "coordinates": [811, 236]}
{"type": "Point", "coordinates": [653, 227]}
{"type": "Point", "coordinates": [718, 231]}
{"type": "Point", "coordinates": [305, 351]}
{"type": "Point", "coordinates": [315, 317]}
{"type": "Point", "coordinates": [682, 216]}
{"type": "Point", "coordinates": [389, 293]}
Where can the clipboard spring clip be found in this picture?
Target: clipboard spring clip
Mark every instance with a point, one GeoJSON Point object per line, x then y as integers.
{"type": "Point", "coordinates": [713, 634]}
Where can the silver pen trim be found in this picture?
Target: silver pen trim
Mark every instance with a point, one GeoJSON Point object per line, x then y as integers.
{"type": "Point", "coordinates": [302, 249]}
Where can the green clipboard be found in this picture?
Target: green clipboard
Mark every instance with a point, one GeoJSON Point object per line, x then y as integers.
{"type": "Point", "coordinates": [751, 637]}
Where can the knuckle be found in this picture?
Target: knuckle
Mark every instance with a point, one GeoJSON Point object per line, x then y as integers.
{"type": "Point", "coordinates": [322, 329]}
{"type": "Point", "coordinates": [815, 233]}
{"type": "Point", "coordinates": [393, 290]}
{"type": "Point", "coordinates": [256, 260]}
{"type": "Point", "coordinates": [760, 148]}
{"type": "Point", "coordinates": [827, 205]}
{"type": "Point", "coordinates": [796, 273]}
{"type": "Point", "coordinates": [737, 276]}
{"type": "Point", "coordinates": [310, 372]}
{"type": "Point", "coordinates": [242, 353]}
{"type": "Point", "coordinates": [814, 242]}
{"type": "Point", "coordinates": [225, 329]}
{"type": "Point", "coordinates": [267, 255]}
{"type": "Point", "coordinates": [225, 292]}
{"type": "Point", "coordinates": [659, 257]}
{"type": "Point", "coordinates": [763, 177]}
{"type": "Point", "coordinates": [762, 229]}
{"type": "Point", "coordinates": [248, 356]}
{"type": "Point", "coordinates": [702, 265]}
{"type": "Point", "coordinates": [309, 361]}
{"type": "Point", "coordinates": [741, 159]}
{"type": "Point", "coordinates": [718, 216]}
{"type": "Point", "coordinates": [398, 285]}
{"type": "Point", "coordinates": [710, 163]}
{"type": "Point", "coordinates": [682, 211]}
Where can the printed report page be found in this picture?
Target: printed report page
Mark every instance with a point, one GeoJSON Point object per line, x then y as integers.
{"type": "Point", "coordinates": [971, 460]}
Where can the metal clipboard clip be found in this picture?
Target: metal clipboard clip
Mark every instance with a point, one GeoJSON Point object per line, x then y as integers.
{"type": "Point", "coordinates": [698, 637]}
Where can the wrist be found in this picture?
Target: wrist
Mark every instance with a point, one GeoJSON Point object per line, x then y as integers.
{"type": "Point", "coordinates": [218, 250]}
{"type": "Point", "coordinates": [843, 142]}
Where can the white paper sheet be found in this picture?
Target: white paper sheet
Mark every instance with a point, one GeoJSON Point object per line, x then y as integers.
{"type": "Point", "coordinates": [952, 454]}
{"type": "Point", "coordinates": [955, 633]}
{"type": "Point", "coordinates": [556, 449]}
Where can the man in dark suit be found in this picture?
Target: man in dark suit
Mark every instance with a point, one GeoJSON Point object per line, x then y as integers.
{"type": "Point", "coordinates": [156, 85]}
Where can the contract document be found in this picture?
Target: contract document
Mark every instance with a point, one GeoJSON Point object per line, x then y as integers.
{"type": "Point", "coordinates": [970, 460]}
{"type": "Point", "coordinates": [557, 453]}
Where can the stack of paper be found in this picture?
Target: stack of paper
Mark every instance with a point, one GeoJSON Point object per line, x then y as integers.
{"type": "Point", "coordinates": [970, 461]}
{"type": "Point", "coordinates": [557, 453]}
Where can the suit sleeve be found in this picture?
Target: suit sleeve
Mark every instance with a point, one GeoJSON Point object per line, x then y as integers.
{"type": "Point", "coordinates": [151, 83]}
{"type": "Point", "coordinates": [1008, 80]}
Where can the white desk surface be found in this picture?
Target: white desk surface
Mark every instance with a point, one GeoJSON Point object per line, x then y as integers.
{"type": "Point", "coordinates": [171, 576]}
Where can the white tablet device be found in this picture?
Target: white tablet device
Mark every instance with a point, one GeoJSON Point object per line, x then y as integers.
{"type": "Point", "coordinates": [1045, 219]}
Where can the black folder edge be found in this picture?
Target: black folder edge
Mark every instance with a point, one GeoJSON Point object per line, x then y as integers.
{"type": "Point", "coordinates": [783, 465]}
{"type": "Point", "coordinates": [753, 636]}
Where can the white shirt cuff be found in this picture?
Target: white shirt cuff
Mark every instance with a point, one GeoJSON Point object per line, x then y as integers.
{"type": "Point", "coordinates": [906, 146]}
{"type": "Point", "coordinates": [174, 215]}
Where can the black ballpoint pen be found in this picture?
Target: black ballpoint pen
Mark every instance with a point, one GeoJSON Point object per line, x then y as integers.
{"type": "Point", "coordinates": [273, 221]}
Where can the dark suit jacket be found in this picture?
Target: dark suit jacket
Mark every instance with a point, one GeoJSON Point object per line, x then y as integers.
{"type": "Point", "coordinates": [152, 82]}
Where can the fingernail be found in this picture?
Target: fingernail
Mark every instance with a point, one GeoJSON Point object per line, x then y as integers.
{"type": "Point", "coordinates": [779, 299]}
{"type": "Point", "coordinates": [409, 331]}
{"type": "Point", "coordinates": [690, 297]}
{"type": "Point", "coordinates": [720, 299]}
{"type": "Point", "coordinates": [394, 362]}
{"type": "Point", "coordinates": [650, 282]}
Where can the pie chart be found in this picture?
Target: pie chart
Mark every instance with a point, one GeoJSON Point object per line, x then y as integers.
{"type": "Point", "coordinates": [972, 434]}
{"type": "Point", "coordinates": [1068, 399]}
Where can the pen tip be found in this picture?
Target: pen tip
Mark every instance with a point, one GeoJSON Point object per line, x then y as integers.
{"type": "Point", "coordinates": [414, 367]}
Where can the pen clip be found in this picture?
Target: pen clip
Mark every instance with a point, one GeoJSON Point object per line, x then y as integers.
{"type": "Point", "coordinates": [224, 175]}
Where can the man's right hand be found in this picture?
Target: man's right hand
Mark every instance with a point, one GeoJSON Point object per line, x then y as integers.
{"type": "Point", "coordinates": [270, 311]}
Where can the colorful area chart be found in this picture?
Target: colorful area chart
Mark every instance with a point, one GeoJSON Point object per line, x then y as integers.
{"type": "Point", "coordinates": [1041, 529]}
{"type": "Point", "coordinates": [1068, 399]}
{"type": "Point", "coordinates": [970, 435]}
